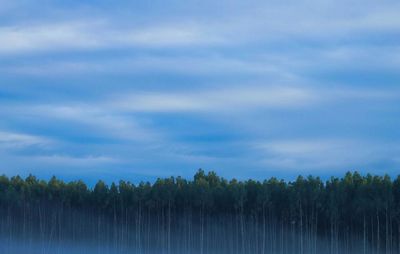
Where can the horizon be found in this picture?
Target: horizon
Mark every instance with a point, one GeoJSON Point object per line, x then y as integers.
{"type": "Point", "coordinates": [91, 182]}
{"type": "Point", "coordinates": [253, 90]}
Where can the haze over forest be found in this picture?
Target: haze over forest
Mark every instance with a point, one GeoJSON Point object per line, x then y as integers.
{"type": "Point", "coordinates": [207, 214]}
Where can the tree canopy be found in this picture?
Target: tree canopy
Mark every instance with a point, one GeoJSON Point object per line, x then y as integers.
{"type": "Point", "coordinates": [354, 212]}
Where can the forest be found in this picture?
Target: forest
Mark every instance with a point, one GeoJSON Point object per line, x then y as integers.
{"type": "Point", "coordinates": [207, 214]}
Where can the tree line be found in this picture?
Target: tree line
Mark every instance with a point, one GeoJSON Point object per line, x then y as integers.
{"type": "Point", "coordinates": [207, 214]}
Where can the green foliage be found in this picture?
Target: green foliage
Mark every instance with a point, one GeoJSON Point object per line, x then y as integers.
{"type": "Point", "coordinates": [343, 198]}
{"type": "Point", "coordinates": [338, 207]}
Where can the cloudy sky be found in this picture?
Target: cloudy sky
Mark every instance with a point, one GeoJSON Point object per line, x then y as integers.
{"type": "Point", "coordinates": [251, 89]}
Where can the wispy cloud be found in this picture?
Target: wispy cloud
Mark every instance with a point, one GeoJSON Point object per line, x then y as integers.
{"type": "Point", "coordinates": [15, 39]}
{"type": "Point", "coordinates": [72, 160]}
{"type": "Point", "coordinates": [215, 100]}
{"type": "Point", "coordinates": [323, 154]}
{"type": "Point", "coordinates": [316, 20]}
{"type": "Point", "coordinates": [21, 140]}
{"type": "Point", "coordinates": [198, 65]}
{"type": "Point", "coordinates": [172, 35]}
{"type": "Point", "coordinates": [58, 164]}
{"type": "Point", "coordinates": [99, 34]}
{"type": "Point", "coordinates": [243, 99]}
{"type": "Point", "coordinates": [102, 120]}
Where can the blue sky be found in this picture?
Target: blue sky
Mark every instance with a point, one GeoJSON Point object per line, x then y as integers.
{"type": "Point", "coordinates": [250, 89]}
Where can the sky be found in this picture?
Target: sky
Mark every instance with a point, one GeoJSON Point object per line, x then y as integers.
{"type": "Point", "coordinates": [250, 89]}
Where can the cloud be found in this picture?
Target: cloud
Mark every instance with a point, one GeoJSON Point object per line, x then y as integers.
{"type": "Point", "coordinates": [21, 140]}
{"type": "Point", "coordinates": [199, 65]}
{"type": "Point", "coordinates": [99, 34]}
{"type": "Point", "coordinates": [99, 119]}
{"type": "Point", "coordinates": [323, 154]}
{"type": "Point", "coordinates": [321, 21]}
{"type": "Point", "coordinates": [96, 166]}
{"type": "Point", "coordinates": [71, 160]}
{"type": "Point", "coordinates": [15, 39]}
{"type": "Point", "coordinates": [371, 94]}
{"type": "Point", "coordinates": [244, 98]}
{"type": "Point", "coordinates": [215, 100]}
{"type": "Point", "coordinates": [173, 35]}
